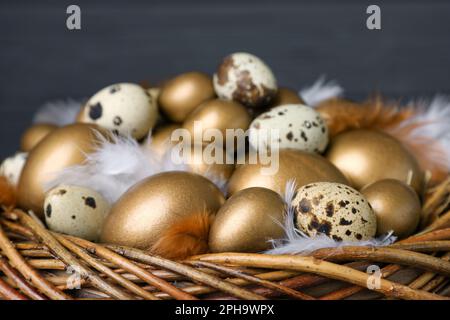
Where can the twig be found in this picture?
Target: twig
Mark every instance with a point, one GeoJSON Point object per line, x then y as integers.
{"type": "Point", "coordinates": [27, 271]}
{"type": "Point", "coordinates": [20, 282]}
{"type": "Point", "coordinates": [288, 291]}
{"type": "Point", "coordinates": [68, 258]}
{"type": "Point", "coordinates": [132, 268]}
{"type": "Point", "coordinates": [186, 271]}
{"type": "Point", "coordinates": [9, 292]}
{"type": "Point", "coordinates": [105, 270]}
{"type": "Point", "coordinates": [387, 255]}
{"type": "Point", "coordinates": [324, 268]}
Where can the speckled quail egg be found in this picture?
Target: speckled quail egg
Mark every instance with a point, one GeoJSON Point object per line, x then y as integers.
{"type": "Point", "coordinates": [123, 108]}
{"type": "Point", "coordinates": [76, 211]}
{"type": "Point", "coordinates": [11, 168]}
{"type": "Point", "coordinates": [334, 209]}
{"type": "Point", "coordinates": [293, 126]}
{"type": "Point", "coordinates": [245, 78]}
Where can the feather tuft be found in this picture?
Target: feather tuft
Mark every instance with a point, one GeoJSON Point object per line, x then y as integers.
{"type": "Point", "coordinates": [8, 194]}
{"type": "Point", "coordinates": [118, 164]}
{"type": "Point", "coordinates": [296, 242]}
{"type": "Point", "coordinates": [59, 112]}
{"type": "Point", "coordinates": [423, 127]}
{"type": "Point", "coordinates": [321, 91]}
{"type": "Point", "coordinates": [186, 238]}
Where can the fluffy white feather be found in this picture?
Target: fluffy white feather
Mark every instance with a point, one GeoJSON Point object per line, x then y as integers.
{"type": "Point", "coordinates": [296, 242]}
{"type": "Point", "coordinates": [59, 112]}
{"type": "Point", "coordinates": [434, 115]}
{"type": "Point", "coordinates": [320, 91]}
{"type": "Point", "coordinates": [117, 165]}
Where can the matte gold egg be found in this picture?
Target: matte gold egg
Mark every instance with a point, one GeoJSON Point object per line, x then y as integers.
{"type": "Point", "coordinates": [217, 114]}
{"type": "Point", "coordinates": [286, 96]}
{"type": "Point", "coordinates": [33, 135]}
{"type": "Point", "coordinates": [248, 221]}
{"type": "Point", "coordinates": [60, 149]}
{"type": "Point", "coordinates": [396, 206]}
{"type": "Point", "coordinates": [367, 156]}
{"type": "Point", "coordinates": [142, 215]}
{"type": "Point", "coordinates": [181, 95]}
{"type": "Point", "coordinates": [302, 166]}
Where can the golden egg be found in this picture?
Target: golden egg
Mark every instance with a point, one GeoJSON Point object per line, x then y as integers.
{"type": "Point", "coordinates": [367, 156]}
{"type": "Point", "coordinates": [161, 141]}
{"type": "Point", "coordinates": [396, 206]}
{"type": "Point", "coordinates": [202, 159]}
{"type": "Point", "coordinates": [217, 114]}
{"type": "Point", "coordinates": [153, 206]}
{"type": "Point", "coordinates": [64, 147]}
{"type": "Point", "coordinates": [248, 221]}
{"type": "Point", "coordinates": [286, 96]}
{"type": "Point", "coordinates": [181, 95]}
{"type": "Point", "coordinates": [302, 166]}
{"type": "Point", "coordinates": [33, 135]}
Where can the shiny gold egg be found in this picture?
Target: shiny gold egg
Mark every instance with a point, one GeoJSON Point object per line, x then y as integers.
{"type": "Point", "coordinates": [286, 96]}
{"type": "Point", "coordinates": [151, 207]}
{"type": "Point", "coordinates": [217, 114]}
{"type": "Point", "coordinates": [33, 135]}
{"type": "Point", "coordinates": [248, 221]}
{"type": "Point", "coordinates": [181, 95]}
{"type": "Point", "coordinates": [64, 147]}
{"type": "Point", "coordinates": [203, 160]}
{"type": "Point", "coordinates": [161, 139]}
{"type": "Point", "coordinates": [396, 206]}
{"type": "Point", "coordinates": [366, 156]}
{"type": "Point", "coordinates": [302, 166]}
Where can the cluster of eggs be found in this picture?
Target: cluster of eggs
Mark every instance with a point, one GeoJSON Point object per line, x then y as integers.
{"type": "Point", "coordinates": [242, 94]}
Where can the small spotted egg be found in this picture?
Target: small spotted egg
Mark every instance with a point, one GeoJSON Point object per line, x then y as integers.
{"type": "Point", "coordinates": [123, 108]}
{"type": "Point", "coordinates": [334, 209]}
{"type": "Point", "coordinates": [11, 168]}
{"type": "Point", "coordinates": [76, 211]}
{"type": "Point", "coordinates": [245, 78]}
{"type": "Point", "coordinates": [293, 126]}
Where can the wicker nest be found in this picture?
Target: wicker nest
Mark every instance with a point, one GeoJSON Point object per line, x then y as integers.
{"type": "Point", "coordinates": [36, 263]}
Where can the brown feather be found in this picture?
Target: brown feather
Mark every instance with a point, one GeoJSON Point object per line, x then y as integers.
{"type": "Point", "coordinates": [7, 193]}
{"type": "Point", "coordinates": [343, 115]}
{"type": "Point", "coordinates": [186, 238]}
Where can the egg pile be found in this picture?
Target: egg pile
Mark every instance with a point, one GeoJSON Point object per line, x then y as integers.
{"type": "Point", "coordinates": [351, 187]}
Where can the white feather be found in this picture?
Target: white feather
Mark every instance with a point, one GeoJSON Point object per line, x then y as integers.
{"type": "Point", "coordinates": [59, 112]}
{"type": "Point", "coordinates": [434, 117]}
{"type": "Point", "coordinates": [117, 165]}
{"type": "Point", "coordinates": [321, 91]}
{"type": "Point", "coordinates": [296, 242]}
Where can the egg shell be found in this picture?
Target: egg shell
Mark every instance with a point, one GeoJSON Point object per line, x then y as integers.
{"type": "Point", "coordinates": [334, 209]}
{"type": "Point", "coordinates": [62, 148]}
{"type": "Point", "coordinates": [76, 211]}
{"type": "Point", "coordinates": [295, 126]}
{"type": "Point", "coordinates": [245, 78]}
{"type": "Point", "coordinates": [33, 135]}
{"type": "Point", "coordinates": [396, 206]}
{"type": "Point", "coordinates": [181, 95]}
{"type": "Point", "coordinates": [124, 108]}
{"type": "Point", "coordinates": [156, 204]}
{"type": "Point", "coordinates": [248, 221]}
{"type": "Point", "coordinates": [11, 168]}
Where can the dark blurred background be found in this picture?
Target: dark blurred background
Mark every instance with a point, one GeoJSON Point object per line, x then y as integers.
{"type": "Point", "coordinates": [151, 40]}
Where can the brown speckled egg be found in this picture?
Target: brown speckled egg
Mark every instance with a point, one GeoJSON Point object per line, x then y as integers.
{"type": "Point", "coordinates": [75, 211]}
{"type": "Point", "coordinates": [334, 209]}
{"type": "Point", "coordinates": [245, 78]}
{"type": "Point", "coordinates": [123, 108]}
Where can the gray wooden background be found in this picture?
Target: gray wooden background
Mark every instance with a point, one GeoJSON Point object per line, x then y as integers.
{"type": "Point", "coordinates": [41, 60]}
